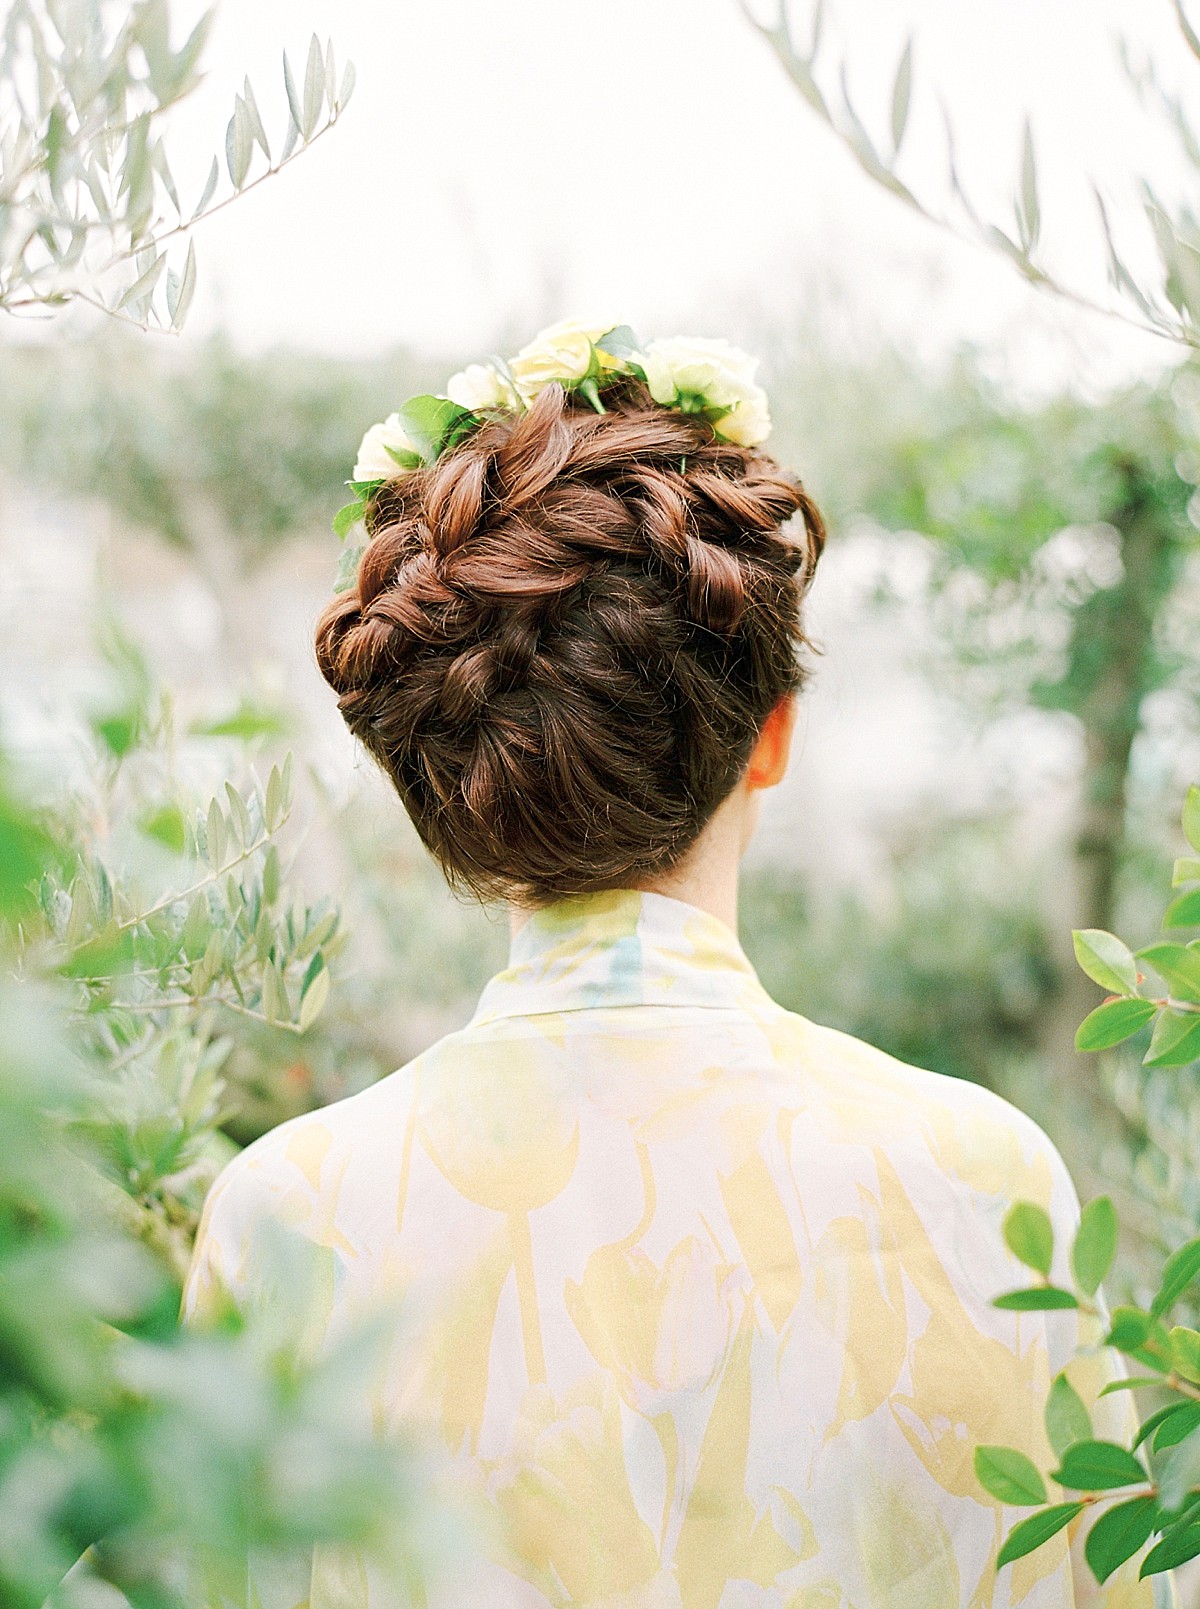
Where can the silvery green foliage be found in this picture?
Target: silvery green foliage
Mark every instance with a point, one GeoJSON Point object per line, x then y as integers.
{"type": "Point", "coordinates": [140, 940]}
{"type": "Point", "coordinates": [1169, 305]}
{"type": "Point", "coordinates": [89, 207]}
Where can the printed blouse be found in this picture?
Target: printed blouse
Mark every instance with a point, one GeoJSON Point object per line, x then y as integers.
{"type": "Point", "coordinates": [693, 1298]}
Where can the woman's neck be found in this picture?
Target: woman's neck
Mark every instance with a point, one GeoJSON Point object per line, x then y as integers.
{"type": "Point", "coordinates": [707, 876]}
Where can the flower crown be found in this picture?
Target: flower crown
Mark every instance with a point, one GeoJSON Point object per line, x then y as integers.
{"type": "Point", "coordinates": [690, 373]}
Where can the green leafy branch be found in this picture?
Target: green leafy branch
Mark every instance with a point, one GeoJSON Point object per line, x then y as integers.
{"type": "Point", "coordinates": [1154, 1485]}
{"type": "Point", "coordinates": [219, 940]}
{"type": "Point", "coordinates": [88, 201]}
{"type": "Point", "coordinates": [1175, 1040]}
{"type": "Point", "coordinates": [1150, 1488]}
{"type": "Point", "coordinates": [1170, 309]}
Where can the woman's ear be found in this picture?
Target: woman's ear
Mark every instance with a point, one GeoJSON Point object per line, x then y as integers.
{"type": "Point", "coordinates": [769, 757]}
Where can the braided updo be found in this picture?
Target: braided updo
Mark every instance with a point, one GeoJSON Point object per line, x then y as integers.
{"type": "Point", "coordinates": [566, 635]}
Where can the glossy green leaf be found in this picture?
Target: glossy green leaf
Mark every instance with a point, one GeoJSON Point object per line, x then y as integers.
{"type": "Point", "coordinates": [1037, 1299]}
{"type": "Point", "coordinates": [1118, 1534]}
{"type": "Point", "coordinates": [434, 424]}
{"type": "Point", "coordinates": [1114, 1021]}
{"type": "Point", "coordinates": [1098, 1466]}
{"type": "Point", "coordinates": [1129, 1328]}
{"type": "Point", "coordinates": [1178, 1545]}
{"type": "Point", "coordinates": [1178, 966]}
{"type": "Point", "coordinates": [1175, 1041]}
{"type": "Point", "coordinates": [348, 516]}
{"type": "Point", "coordinates": [1095, 1244]}
{"type": "Point", "coordinates": [1106, 960]}
{"type": "Point", "coordinates": [1184, 911]}
{"type": "Point", "coordinates": [1038, 1528]}
{"type": "Point", "coordinates": [1185, 1352]}
{"type": "Point", "coordinates": [1009, 1475]}
{"type": "Point", "coordinates": [347, 568]}
{"type": "Point", "coordinates": [1133, 1382]}
{"type": "Point", "coordinates": [1067, 1419]}
{"type": "Point", "coordinates": [1185, 870]}
{"type": "Point", "coordinates": [619, 342]}
{"type": "Point", "coordinates": [1030, 1235]}
{"type": "Point", "coordinates": [1159, 1418]}
{"type": "Point", "coordinates": [1176, 1425]}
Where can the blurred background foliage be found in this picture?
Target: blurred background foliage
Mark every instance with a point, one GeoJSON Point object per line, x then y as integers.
{"type": "Point", "coordinates": [1039, 558]}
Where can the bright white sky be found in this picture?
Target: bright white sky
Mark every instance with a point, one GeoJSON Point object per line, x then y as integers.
{"type": "Point", "coordinates": [507, 161]}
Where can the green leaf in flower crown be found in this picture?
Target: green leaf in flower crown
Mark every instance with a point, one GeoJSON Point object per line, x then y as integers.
{"type": "Point", "coordinates": [1113, 1022]}
{"type": "Point", "coordinates": [1095, 1244]}
{"type": "Point", "coordinates": [620, 342]}
{"type": "Point", "coordinates": [1175, 1041]}
{"type": "Point", "coordinates": [1030, 1235]}
{"type": "Point", "coordinates": [435, 424]}
{"type": "Point", "coordinates": [1009, 1475]}
{"type": "Point", "coordinates": [1118, 1534]}
{"type": "Point", "coordinates": [348, 516]}
{"type": "Point", "coordinates": [1037, 1299]}
{"type": "Point", "coordinates": [1185, 911]}
{"type": "Point", "coordinates": [1185, 870]}
{"type": "Point", "coordinates": [364, 488]}
{"type": "Point", "coordinates": [347, 570]}
{"type": "Point", "coordinates": [1098, 1466]}
{"type": "Point", "coordinates": [1178, 966]}
{"type": "Point", "coordinates": [1067, 1419]}
{"type": "Point", "coordinates": [405, 459]}
{"type": "Point", "coordinates": [1106, 960]}
{"type": "Point", "coordinates": [1180, 1270]}
{"type": "Point", "coordinates": [588, 388]}
{"type": "Point", "coordinates": [1038, 1528]}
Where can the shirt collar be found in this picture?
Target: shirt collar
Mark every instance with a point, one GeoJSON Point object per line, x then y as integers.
{"type": "Point", "coordinates": [620, 948]}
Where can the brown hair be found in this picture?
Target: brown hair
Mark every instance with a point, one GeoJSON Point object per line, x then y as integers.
{"type": "Point", "coordinates": [565, 637]}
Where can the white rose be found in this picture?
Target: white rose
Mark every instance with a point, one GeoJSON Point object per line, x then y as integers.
{"type": "Point", "coordinates": [712, 374]}
{"type": "Point", "coordinates": [749, 423]}
{"type": "Point", "coordinates": [562, 352]}
{"type": "Point", "coordinates": [480, 387]}
{"type": "Point", "coordinates": [374, 462]}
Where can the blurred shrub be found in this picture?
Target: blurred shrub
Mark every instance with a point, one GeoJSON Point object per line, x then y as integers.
{"type": "Point", "coordinates": [198, 444]}
{"type": "Point", "coordinates": [138, 934]}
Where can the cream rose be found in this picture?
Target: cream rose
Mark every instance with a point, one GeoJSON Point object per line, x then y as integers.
{"type": "Point", "coordinates": [562, 352]}
{"type": "Point", "coordinates": [480, 387]}
{"type": "Point", "coordinates": [709, 374]}
{"type": "Point", "coordinates": [374, 461]}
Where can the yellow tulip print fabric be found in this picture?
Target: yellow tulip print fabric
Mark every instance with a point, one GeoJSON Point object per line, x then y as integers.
{"type": "Point", "coordinates": [692, 1296]}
